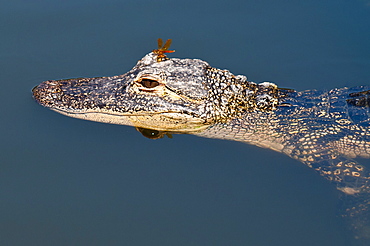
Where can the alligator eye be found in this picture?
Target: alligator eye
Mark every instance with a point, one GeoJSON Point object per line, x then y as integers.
{"type": "Point", "coordinates": [149, 83]}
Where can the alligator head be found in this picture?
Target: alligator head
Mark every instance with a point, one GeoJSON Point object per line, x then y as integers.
{"type": "Point", "coordinates": [171, 95]}
{"type": "Point", "coordinates": [166, 95]}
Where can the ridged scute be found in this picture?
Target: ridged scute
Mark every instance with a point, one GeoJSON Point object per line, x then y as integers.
{"type": "Point", "coordinates": [231, 95]}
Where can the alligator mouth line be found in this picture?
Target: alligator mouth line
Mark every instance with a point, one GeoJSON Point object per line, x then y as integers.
{"type": "Point", "coordinates": [103, 112]}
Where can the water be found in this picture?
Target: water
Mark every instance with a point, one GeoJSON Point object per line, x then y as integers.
{"type": "Point", "coordinates": [71, 182]}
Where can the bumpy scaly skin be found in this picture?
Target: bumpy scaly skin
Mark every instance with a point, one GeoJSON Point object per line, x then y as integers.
{"type": "Point", "coordinates": [323, 129]}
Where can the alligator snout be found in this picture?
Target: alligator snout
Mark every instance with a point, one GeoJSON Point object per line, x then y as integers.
{"type": "Point", "coordinates": [72, 94]}
{"type": "Point", "coordinates": [48, 93]}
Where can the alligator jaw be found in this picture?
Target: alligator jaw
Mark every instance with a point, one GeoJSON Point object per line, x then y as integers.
{"type": "Point", "coordinates": [174, 124]}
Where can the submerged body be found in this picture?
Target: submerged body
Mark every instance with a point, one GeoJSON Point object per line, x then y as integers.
{"type": "Point", "coordinates": [323, 129]}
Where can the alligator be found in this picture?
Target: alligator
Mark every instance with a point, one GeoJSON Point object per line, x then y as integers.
{"type": "Point", "coordinates": [326, 130]}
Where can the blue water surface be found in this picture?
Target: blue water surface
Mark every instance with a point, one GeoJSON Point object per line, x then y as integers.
{"type": "Point", "coordinates": [65, 181]}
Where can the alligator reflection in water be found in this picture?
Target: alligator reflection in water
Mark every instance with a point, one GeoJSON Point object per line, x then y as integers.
{"type": "Point", "coordinates": [325, 130]}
